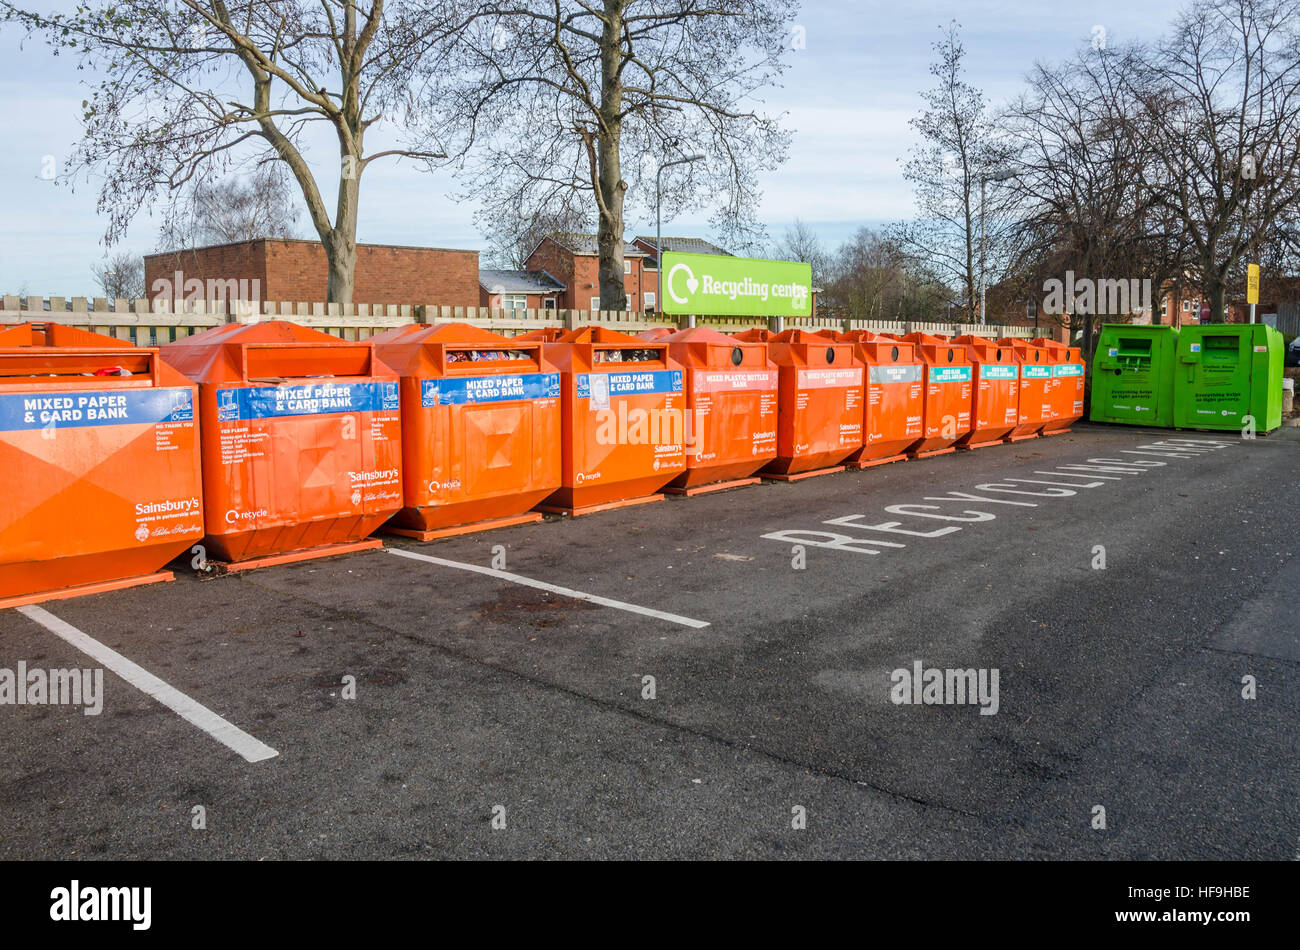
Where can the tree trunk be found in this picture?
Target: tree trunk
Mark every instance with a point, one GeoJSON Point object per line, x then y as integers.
{"type": "Point", "coordinates": [1216, 303]}
{"type": "Point", "coordinates": [609, 179]}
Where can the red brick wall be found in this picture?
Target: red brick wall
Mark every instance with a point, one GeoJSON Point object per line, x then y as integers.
{"type": "Point", "coordinates": [558, 262]}
{"type": "Point", "coordinates": [245, 261]}
{"type": "Point", "coordinates": [297, 271]}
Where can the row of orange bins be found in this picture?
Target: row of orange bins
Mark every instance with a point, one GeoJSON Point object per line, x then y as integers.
{"type": "Point", "coordinates": [257, 444]}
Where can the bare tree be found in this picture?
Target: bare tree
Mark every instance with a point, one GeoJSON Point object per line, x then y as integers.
{"type": "Point", "coordinates": [871, 278]}
{"type": "Point", "coordinates": [960, 147]}
{"type": "Point", "coordinates": [1219, 100]}
{"type": "Point", "coordinates": [120, 275]}
{"type": "Point", "coordinates": [190, 84]}
{"type": "Point", "coordinates": [571, 107]}
{"type": "Point", "coordinates": [512, 239]}
{"type": "Point", "coordinates": [800, 243]}
{"type": "Point", "coordinates": [1080, 164]}
{"type": "Point", "coordinates": [260, 205]}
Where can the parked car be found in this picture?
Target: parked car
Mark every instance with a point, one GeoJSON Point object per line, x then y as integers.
{"type": "Point", "coordinates": [1292, 357]}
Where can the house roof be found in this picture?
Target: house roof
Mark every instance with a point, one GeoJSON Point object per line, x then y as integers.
{"type": "Point", "coordinates": [686, 245]}
{"type": "Point", "coordinates": [585, 245]}
{"type": "Point", "coordinates": [518, 282]}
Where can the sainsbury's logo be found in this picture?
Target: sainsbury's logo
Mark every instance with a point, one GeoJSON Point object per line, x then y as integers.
{"type": "Point", "coordinates": [383, 475]}
{"type": "Point", "coordinates": [182, 506]}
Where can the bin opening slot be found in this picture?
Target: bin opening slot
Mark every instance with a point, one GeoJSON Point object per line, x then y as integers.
{"type": "Point", "coordinates": [279, 362]}
{"type": "Point", "coordinates": [519, 354]}
{"type": "Point", "coordinates": [627, 354]}
{"type": "Point", "coordinates": [78, 363]}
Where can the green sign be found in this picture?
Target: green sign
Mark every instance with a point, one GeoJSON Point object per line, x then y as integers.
{"type": "Point", "coordinates": [705, 284]}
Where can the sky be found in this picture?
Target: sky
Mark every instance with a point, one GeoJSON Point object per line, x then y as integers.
{"type": "Point", "coordinates": [848, 95]}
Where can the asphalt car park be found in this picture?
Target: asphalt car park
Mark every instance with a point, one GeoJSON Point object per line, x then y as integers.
{"type": "Point", "coordinates": [711, 677]}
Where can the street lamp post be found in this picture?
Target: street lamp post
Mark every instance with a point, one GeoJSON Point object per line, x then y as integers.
{"type": "Point", "coordinates": [999, 175]}
{"type": "Point", "coordinates": [659, 229]}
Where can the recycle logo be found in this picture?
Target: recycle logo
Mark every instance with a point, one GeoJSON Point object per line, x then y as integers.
{"type": "Point", "coordinates": [691, 283]}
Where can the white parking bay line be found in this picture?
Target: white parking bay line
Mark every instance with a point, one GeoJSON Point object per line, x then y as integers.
{"type": "Point", "coordinates": [228, 735]}
{"type": "Point", "coordinates": [542, 585]}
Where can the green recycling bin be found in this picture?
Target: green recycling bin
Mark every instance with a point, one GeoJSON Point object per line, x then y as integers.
{"type": "Point", "coordinates": [1133, 375]}
{"type": "Point", "coordinates": [1225, 373]}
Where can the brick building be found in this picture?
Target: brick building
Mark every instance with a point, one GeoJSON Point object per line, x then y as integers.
{"type": "Point", "coordinates": [297, 271]}
{"type": "Point", "coordinates": [573, 261]}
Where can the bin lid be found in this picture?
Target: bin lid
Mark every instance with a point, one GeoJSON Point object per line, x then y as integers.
{"type": "Point", "coordinates": [443, 333]}
{"type": "Point", "coordinates": [273, 349]}
{"type": "Point", "coordinates": [705, 335]}
{"type": "Point", "coordinates": [544, 334]}
{"type": "Point", "coordinates": [56, 334]}
{"type": "Point", "coordinates": [655, 334]}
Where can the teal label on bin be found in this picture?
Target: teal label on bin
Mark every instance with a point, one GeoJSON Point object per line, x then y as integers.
{"type": "Point", "coordinates": [75, 409]}
{"type": "Point", "coordinates": [1037, 372]}
{"type": "Point", "coordinates": [1068, 369]}
{"type": "Point", "coordinates": [896, 374]}
{"type": "Point", "coordinates": [633, 384]}
{"type": "Point", "coordinates": [999, 372]}
{"type": "Point", "coordinates": [950, 374]}
{"type": "Point", "coordinates": [477, 389]}
{"type": "Point", "coordinates": [314, 399]}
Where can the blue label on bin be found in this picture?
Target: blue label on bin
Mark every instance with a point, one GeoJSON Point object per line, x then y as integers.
{"type": "Point", "coordinates": [505, 388]}
{"type": "Point", "coordinates": [1037, 372]}
{"type": "Point", "coordinates": [1068, 369]}
{"type": "Point", "coordinates": [633, 384]}
{"type": "Point", "coordinates": [896, 374]}
{"type": "Point", "coordinates": [74, 409]}
{"type": "Point", "coordinates": [993, 371]}
{"type": "Point", "coordinates": [949, 374]}
{"type": "Point", "coordinates": [313, 399]}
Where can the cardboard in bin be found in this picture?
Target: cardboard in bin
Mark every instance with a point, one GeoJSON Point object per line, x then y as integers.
{"type": "Point", "coordinates": [819, 403]}
{"type": "Point", "coordinates": [895, 397]}
{"type": "Point", "coordinates": [302, 450]}
{"type": "Point", "coordinates": [100, 453]}
{"type": "Point", "coordinates": [623, 405]}
{"type": "Point", "coordinates": [1065, 394]}
{"type": "Point", "coordinates": [731, 409]}
{"type": "Point", "coordinates": [949, 394]}
{"type": "Point", "coordinates": [481, 428]}
{"type": "Point", "coordinates": [995, 388]}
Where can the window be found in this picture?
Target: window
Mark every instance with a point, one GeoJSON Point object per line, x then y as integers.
{"type": "Point", "coordinates": [627, 265]}
{"type": "Point", "coordinates": [595, 303]}
{"type": "Point", "coordinates": [1187, 306]}
{"type": "Point", "coordinates": [514, 301]}
{"type": "Point", "coordinates": [1164, 306]}
{"type": "Point", "coordinates": [548, 303]}
{"type": "Point", "coordinates": [649, 302]}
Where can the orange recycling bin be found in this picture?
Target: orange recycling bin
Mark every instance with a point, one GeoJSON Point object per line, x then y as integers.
{"type": "Point", "coordinates": [1035, 385]}
{"type": "Point", "coordinates": [895, 397]}
{"type": "Point", "coordinates": [996, 391]}
{"type": "Point", "coordinates": [56, 334]}
{"type": "Point", "coordinates": [731, 409]}
{"type": "Point", "coordinates": [302, 445]}
{"type": "Point", "coordinates": [99, 450]}
{"type": "Point", "coordinates": [820, 413]}
{"type": "Point", "coordinates": [1065, 395]}
{"type": "Point", "coordinates": [481, 428]}
{"type": "Point", "coordinates": [948, 394]}
{"type": "Point", "coordinates": [623, 420]}
{"type": "Point", "coordinates": [656, 333]}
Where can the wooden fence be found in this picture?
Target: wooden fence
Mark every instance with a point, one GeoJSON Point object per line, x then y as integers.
{"type": "Point", "coordinates": [152, 323]}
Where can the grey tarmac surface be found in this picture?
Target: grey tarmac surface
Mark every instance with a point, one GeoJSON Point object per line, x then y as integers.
{"type": "Point", "coordinates": [1118, 687]}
